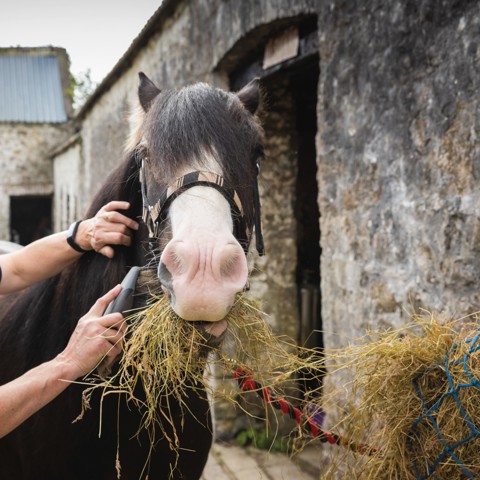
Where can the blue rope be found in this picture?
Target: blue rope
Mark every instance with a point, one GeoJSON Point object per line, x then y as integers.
{"type": "Point", "coordinates": [428, 412]}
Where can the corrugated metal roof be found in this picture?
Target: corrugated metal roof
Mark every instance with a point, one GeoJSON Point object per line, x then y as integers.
{"type": "Point", "coordinates": [30, 89]}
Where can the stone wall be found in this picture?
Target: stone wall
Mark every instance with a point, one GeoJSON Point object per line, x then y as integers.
{"type": "Point", "coordinates": [67, 173]}
{"type": "Point", "coordinates": [398, 162]}
{"type": "Point", "coordinates": [25, 165]}
{"type": "Point", "coordinates": [273, 278]}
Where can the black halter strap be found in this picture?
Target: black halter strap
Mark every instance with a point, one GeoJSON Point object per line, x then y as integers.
{"type": "Point", "coordinates": [153, 215]}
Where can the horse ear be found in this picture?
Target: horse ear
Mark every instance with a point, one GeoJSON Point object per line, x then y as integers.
{"type": "Point", "coordinates": [249, 95]}
{"type": "Point", "coordinates": [147, 91]}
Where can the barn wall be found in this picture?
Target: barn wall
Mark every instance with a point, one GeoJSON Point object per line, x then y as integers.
{"type": "Point", "coordinates": [25, 166]}
{"type": "Point", "coordinates": [67, 175]}
{"type": "Point", "coordinates": [398, 118]}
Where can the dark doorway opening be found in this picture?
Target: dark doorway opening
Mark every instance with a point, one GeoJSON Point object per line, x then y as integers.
{"type": "Point", "coordinates": [291, 91]}
{"type": "Point", "coordinates": [304, 83]}
{"type": "Point", "coordinates": [300, 94]}
{"type": "Point", "coordinates": [30, 218]}
{"type": "Point", "coordinates": [304, 90]}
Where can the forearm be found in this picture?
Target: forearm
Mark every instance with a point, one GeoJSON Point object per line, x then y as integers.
{"type": "Point", "coordinates": [25, 395]}
{"type": "Point", "coordinates": [36, 262]}
{"type": "Point", "coordinates": [50, 255]}
{"type": "Point", "coordinates": [96, 338]}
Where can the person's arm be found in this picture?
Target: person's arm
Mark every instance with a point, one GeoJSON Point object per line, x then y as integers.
{"type": "Point", "coordinates": [96, 337]}
{"type": "Point", "coordinates": [48, 256]}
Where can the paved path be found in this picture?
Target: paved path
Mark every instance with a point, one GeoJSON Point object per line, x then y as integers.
{"type": "Point", "coordinates": [231, 462]}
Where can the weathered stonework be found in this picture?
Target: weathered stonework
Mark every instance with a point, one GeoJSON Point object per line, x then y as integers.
{"type": "Point", "coordinates": [24, 162]}
{"type": "Point", "coordinates": [398, 159]}
{"type": "Point", "coordinates": [273, 278]}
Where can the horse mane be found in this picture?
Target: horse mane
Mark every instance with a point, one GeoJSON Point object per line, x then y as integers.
{"type": "Point", "coordinates": [57, 304]}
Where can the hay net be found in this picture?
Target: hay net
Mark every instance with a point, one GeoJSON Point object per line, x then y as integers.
{"type": "Point", "coordinates": [428, 418]}
{"type": "Point", "coordinates": [413, 394]}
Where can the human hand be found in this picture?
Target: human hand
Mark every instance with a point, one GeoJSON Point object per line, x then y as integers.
{"type": "Point", "coordinates": [96, 338]}
{"type": "Point", "coordinates": [108, 227]}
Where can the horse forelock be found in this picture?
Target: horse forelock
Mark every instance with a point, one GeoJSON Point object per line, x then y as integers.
{"type": "Point", "coordinates": [196, 124]}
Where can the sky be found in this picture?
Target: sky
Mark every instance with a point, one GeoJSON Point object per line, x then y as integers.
{"type": "Point", "coordinates": [95, 33]}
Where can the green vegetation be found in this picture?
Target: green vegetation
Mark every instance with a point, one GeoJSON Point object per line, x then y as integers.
{"type": "Point", "coordinates": [258, 437]}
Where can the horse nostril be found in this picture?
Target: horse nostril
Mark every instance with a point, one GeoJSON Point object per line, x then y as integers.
{"type": "Point", "coordinates": [168, 293]}
{"type": "Point", "coordinates": [233, 264]}
{"type": "Point", "coordinates": [165, 277]}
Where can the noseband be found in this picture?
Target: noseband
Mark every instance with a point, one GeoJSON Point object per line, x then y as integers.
{"type": "Point", "coordinates": [154, 215]}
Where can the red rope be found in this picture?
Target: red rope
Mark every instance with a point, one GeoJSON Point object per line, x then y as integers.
{"type": "Point", "coordinates": [248, 384]}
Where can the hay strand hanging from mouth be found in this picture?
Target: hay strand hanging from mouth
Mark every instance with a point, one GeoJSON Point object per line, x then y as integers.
{"type": "Point", "coordinates": [165, 358]}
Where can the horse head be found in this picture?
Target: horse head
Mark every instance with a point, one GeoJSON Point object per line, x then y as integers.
{"type": "Point", "coordinates": [198, 149]}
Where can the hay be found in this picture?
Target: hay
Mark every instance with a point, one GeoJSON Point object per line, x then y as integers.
{"type": "Point", "coordinates": [415, 396]}
{"type": "Point", "coordinates": [167, 357]}
{"type": "Point", "coordinates": [414, 402]}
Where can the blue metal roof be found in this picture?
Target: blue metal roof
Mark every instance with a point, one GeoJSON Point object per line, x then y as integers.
{"type": "Point", "coordinates": [30, 89]}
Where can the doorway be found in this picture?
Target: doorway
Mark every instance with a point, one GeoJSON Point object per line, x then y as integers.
{"type": "Point", "coordinates": [290, 122]}
{"type": "Point", "coordinates": [30, 218]}
{"type": "Point", "coordinates": [293, 93]}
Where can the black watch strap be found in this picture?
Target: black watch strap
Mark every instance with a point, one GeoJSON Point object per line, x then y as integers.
{"type": "Point", "coordinates": [72, 231]}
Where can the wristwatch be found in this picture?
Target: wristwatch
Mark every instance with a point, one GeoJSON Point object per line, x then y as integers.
{"type": "Point", "coordinates": [72, 231]}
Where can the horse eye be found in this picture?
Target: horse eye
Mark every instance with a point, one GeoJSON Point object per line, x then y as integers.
{"type": "Point", "coordinates": [258, 168]}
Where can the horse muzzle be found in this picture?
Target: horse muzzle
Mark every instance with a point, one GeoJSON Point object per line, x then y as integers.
{"type": "Point", "coordinates": [202, 285]}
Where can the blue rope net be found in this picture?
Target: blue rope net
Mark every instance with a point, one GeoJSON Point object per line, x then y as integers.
{"type": "Point", "coordinates": [448, 450]}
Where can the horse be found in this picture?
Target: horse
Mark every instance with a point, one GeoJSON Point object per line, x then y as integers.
{"type": "Point", "coordinates": [190, 173]}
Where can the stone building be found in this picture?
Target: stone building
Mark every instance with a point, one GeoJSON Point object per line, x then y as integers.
{"type": "Point", "coordinates": [34, 112]}
{"type": "Point", "coordinates": [370, 207]}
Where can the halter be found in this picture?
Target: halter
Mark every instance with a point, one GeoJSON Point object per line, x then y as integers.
{"type": "Point", "coordinates": [154, 215]}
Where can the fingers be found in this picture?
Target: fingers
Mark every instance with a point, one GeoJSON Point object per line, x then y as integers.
{"type": "Point", "coordinates": [116, 205]}
{"type": "Point", "coordinates": [112, 321]}
{"type": "Point", "coordinates": [118, 219]}
{"type": "Point", "coordinates": [110, 227]}
{"type": "Point", "coordinates": [109, 214]}
{"type": "Point", "coordinates": [102, 243]}
{"type": "Point", "coordinates": [107, 251]}
{"type": "Point", "coordinates": [115, 328]}
{"type": "Point", "coordinates": [96, 336]}
{"type": "Point", "coordinates": [115, 333]}
{"type": "Point", "coordinates": [102, 303]}
{"type": "Point", "coordinates": [116, 235]}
